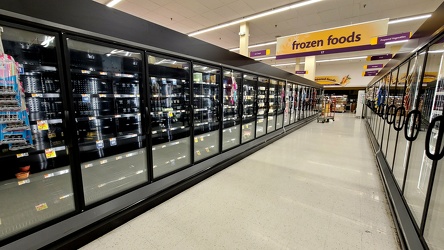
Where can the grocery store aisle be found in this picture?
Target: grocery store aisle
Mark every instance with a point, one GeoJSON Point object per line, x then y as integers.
{"type": "Point", "coordinates": [317, 188]}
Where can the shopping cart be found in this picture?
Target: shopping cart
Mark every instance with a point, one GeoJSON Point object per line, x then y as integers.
{"type": "Point", "coordinates": [328, 110]}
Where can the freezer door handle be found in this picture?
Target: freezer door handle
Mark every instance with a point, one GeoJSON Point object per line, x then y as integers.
{"type": "Point", "coordinates": [416, 127]}
{"type": "Point", "coordinates": [436, 155]}
{"type": "Point", "coordinates": [391, 113]}
{"type": "Point", "coordinates": [381, 110]}
{"type": "Point", "coordinates": [398, 126]}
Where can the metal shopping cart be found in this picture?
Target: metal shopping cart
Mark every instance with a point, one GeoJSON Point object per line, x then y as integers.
{"type": "Point", "coordinates": [328, 110]}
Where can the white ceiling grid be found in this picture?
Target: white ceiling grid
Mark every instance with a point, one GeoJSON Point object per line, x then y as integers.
{"type": "Point", "coordinates": [187, 16]}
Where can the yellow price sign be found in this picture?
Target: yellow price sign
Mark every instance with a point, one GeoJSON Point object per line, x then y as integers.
{"type": "Point", "coordinates": [170, 114]}
{"type": "Point", "coordinates": [207, 149]}
{"type": "Point", "coordinates": [198, 152]}
{"type": "Point", "coordinates": [50, 153]}
{"type": "Point", "coordinates": [42, 125]}
{"type": "Point", "coordinates": [41, 207]}
{"type": "Point", "coordinates": [196, 140]}
{"type": "Point", "coordinates": [201, 138]}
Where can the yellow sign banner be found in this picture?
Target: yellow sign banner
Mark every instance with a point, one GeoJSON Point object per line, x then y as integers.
{"type": "Point", "coordinates": [337, 40]}
{"type": "Point", "coordinates": [333, 80]}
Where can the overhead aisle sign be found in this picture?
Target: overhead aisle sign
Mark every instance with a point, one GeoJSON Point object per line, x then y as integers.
{"type": "Point", "coordinates": [343, 39]}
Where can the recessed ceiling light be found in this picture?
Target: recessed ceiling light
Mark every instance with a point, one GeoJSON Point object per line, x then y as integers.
{"type": "Point", "coordinates": [112, 3]}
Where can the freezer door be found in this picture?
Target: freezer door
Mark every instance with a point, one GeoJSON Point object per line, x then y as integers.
{"type": "Point", "coordinates": [280, 104]}
{"type": "Point", "coordinates": [106, 87]}
{"type": "Point", "coordinates": [249, 107]}
{"type": "Point", "coordinates": [262, 106]}
{"type": "Point", "coordinates": [171, 113]}
{"type": "Point", "coordinates": [35, 174]}
{"type": "Point", "coordinates": [231, 127]}
{"type": "Point", "coordinates": [288, 104]}
{"type": "Point", "coordinates": [207, 107]}
{"type": "Point", "coordinates": [273, 103]}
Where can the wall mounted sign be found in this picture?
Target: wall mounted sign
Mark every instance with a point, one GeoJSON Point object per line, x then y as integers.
{"type": "Point", "coordinates": [370, 73]}
{"type": "Point", "coordinates": [301, 72]}
{"type": "Point", "coordinates": [260, 53]}
{"type": "Point", "coordinates": [374, 66]}
{"type": "Point", "coordinates": [337, 40]}
{"type": "Point", "coordinates": [379, 57]}
{"type": "Point", "coordinates": [391, 38]}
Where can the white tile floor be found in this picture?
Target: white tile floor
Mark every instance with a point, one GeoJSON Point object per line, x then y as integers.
{"type": "Point", "coordinates": [317, 188]}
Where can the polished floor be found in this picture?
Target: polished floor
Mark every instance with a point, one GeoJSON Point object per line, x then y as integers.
{"type": "Point", "coordinates": [317, 188]}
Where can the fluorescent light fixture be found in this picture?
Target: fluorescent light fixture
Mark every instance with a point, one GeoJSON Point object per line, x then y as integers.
{"type": "Point", "coordinates": [395, 42]}
{"type": "Point", "coordinates": [321, 61]}
{"type": "Point", "coordinates": [257, 45]}
{"type": "Point", "coordinates": [407, 19]}
{"type": "Point", "coordinates": [436, 51]}
{"type": "Point", "coordinates": [265, 58]}
{"type": "Point", "coordinates": [112, 3]}
{"type": "Point", "coordinates": [47, 41]}
{"type": "Point", "coordinates": [246, 19]}
{"type": "Point", "coordinates": [342, 59]}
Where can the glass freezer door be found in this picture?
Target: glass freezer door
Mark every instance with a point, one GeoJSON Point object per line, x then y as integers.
{"type": "Point", "coordinates": [262, 106]}
{"type": "Point", "coordinates": [106, 90]}
{"type": "Point", "coordinates": [231, 129]}
{"type": "Point", "coordinates": [249, 107]}
{"type": "Point", "coordinates": [297, 91]}
{"type": "Point", "coordinates": [280, 104]}
{"type": "Point", "coordinates": [35, 174]}
{"type": "Point", "coordinates": [207, 109]}
{"type": "Point", "coordinates": [272, 105]}
{"type": "Point", "coordinates": [288, 103]}
{"type": "Point", "coordinates": [169, 81]}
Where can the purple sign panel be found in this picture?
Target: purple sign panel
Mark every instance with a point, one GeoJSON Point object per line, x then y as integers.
{"type": "Point", "coordinates": [379, 57]}
{"type": "Point", "coordinates": [258, 53]}
{"type": "Point", "coordinates": [301, 72]}
{"type": "Point", "coordinates": [394, 38]}
{"type": "Point", "coordinates": [371, 73]}
{"type": "Point", "coordinates": [375, 66]}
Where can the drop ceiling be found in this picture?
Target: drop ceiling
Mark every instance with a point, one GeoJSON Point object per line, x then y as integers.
{"type": "Point", "coordinates": [187, 16]}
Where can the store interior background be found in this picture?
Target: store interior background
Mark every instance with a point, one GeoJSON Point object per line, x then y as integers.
{"type": "Point", "coordinates": [194, 15]}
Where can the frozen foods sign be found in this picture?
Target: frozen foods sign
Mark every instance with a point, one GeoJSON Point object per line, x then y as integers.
{"type": "Point", "coordinates": [343, 39]}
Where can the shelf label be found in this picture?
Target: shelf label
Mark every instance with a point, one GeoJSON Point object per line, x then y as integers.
{"type": "Point", "coordinates": [170, 114]}
{"type": "Point", "coordinates": [246, 125]}
{"type": "Point", "coordinates": [103, 162]}
{"type": "Point", "coordinates": [41, 207]}
{"type": "Point", "coordinates": [52, 135]}
{"type": "Point", "coordinates": [50, 153]}
{"type": "Point", "coordinates": [198, 152]}
{"type": "Point", "coordinates": [119, 158]}
{"type": "Point", "coordinates": [86, 72]}
{"type": "Point", "coordinates": [86, 98]}
{"type": "Point", "coordinates": [88, 165]}
{"type": "Point", "coordinates": [37, 95]}
{"type": "Point", "coordinates": [91, 118]}
{"type": "Point", "coordinates": [99, 144]}
{"type": "Point", "coordinates": [118, 116]}
{"type": "Point", "coordinates": [22, 155]}
{"type": "Point", "coordinates": [102, 95]}
{"type": "Point", "coordinates": [103, 73]}
{"type": "Point", "coordinates": [23, 182]}
{"type": "Point", "coordinates": [201, 138]}
{"type": "Point", "coordinates": [113, 142]}
{"type": "Point", "coordinates": [207, 149]}
{"type": "Point", "coordinates": [196, 140]}
{"type": "Point", "coordinates": [46, 176]}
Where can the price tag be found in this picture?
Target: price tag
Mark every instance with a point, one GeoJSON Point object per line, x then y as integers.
{"type": "Point", "coordinates": [86, 72]}
{"type": "Point", "coordinates": [246, 125]}
{"type": "Point", "coordinates": [42, 125]}
{"type": "Point", "coordinates": [196, 140]}
{"type": "Point", "coordinates": [207, 149]}
{"type": "Point", "coordinates": [198, 152]}
{"type": "Point", "coordinates": [170, 114]}
{"type": "Point", "coordinates": [86, 98]}
{"type": "Point", "coordinates": [50, 153]}
{"type": "Point", "coordinates": [103, 162]}
{"type": "Point", "coordinates": [41, 207]}
{"type": "Point", "coordinates": [119, 158]}
{"type": "Point", "coordinates": [201, 138]}
{"type": "Point", "coordinates": [22, 155]}
{"type": "Point", "coordinates": [88, 165]}
{"type": "Point", "coordinates": [52, 135]}
{"type": "Point", "coordinates": [36, 95]}
{"type": "Point", "coordinates": [23, 182]}
{"type": "Point", "coordinates": [113, 142]}
{"type": "Point", "coordinates": [102, 95]}
{"type": "Point", "coordinates": [91, 118]}
{"type": "Point", "coordinates": [99, 144]}
{"type": "Point", "coordinates": [103, 73]}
